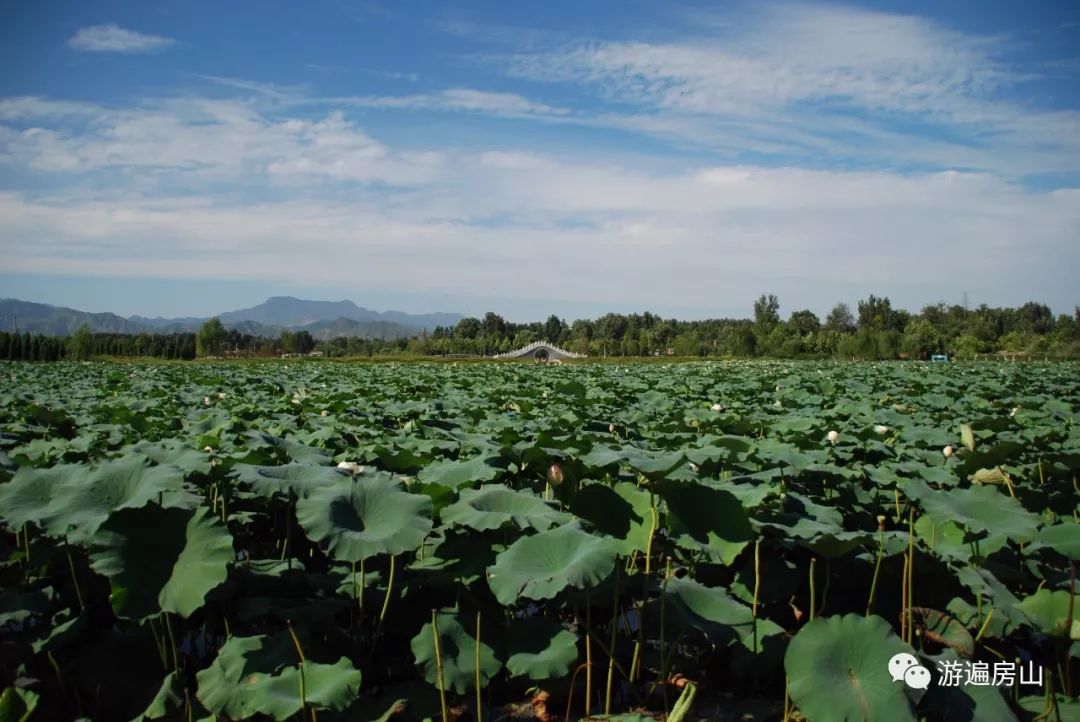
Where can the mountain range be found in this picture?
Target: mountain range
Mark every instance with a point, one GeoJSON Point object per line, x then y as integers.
{"type": "Point", "coordinates": [323, 319]}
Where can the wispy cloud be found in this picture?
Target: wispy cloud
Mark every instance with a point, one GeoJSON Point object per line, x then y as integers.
{"type": "Point", "coordinates": [460, 99]}
{"type": "Point", "coordinates": [227, 189]}
{"type": "Point", "coordinates": [811, 80]}
{"type": "Point", "coordinates": [115, 39]}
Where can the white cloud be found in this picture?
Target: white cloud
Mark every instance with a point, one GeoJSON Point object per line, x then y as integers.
{"type": "Point", "coordinates": [115, 39]}
{"type": "Point", "coordinates": [460, 99]}
{"type": "Point", "coordinates": [818, 81]}
{"type": "Point", "coordinates": [513, 222]}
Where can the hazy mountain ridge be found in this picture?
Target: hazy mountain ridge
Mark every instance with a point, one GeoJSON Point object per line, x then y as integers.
{"type": "Point", "coordinates": [323, 319]}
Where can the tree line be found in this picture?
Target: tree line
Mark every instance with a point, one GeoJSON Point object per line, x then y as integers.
{"type": "Point", "coordinates": [875, 329]}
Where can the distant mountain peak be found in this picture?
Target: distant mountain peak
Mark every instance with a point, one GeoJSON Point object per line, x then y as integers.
{"type": "Point", "coordinates": [267, 318]}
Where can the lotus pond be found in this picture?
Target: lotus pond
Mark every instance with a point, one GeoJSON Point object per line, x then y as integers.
{"type": "Point", "coordinates": [333, 541]}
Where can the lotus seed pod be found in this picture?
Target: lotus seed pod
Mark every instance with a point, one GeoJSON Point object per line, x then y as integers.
{"type": "Point", "coordinates": [834, 436]}
{"type": "Point", "coordinates": [948, 451]}
{"type": "Point", "coordinates": [881, 522]}
{"type": "Point", "coordinates": [555, 475]}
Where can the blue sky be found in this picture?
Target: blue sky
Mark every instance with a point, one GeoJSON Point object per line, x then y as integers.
{"type": "Point", "coordinates": [186, 158]}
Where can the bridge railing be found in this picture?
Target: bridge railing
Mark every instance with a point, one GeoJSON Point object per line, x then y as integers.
{"type": "Point", "coordinates": [535, 345]}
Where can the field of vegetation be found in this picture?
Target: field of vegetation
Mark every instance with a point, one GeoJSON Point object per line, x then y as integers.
{"type": "Point", "coordinates": [717, 540]}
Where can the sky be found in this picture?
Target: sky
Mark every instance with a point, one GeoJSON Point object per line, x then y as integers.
{"type": "Point", "coordinates": [187, 158]}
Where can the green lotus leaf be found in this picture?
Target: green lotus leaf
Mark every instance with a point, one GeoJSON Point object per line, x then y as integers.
{"type": "Point", "coordinates": [174, 452]}
{"type": "Point", "coordinates": [161, 559]}
{"type": "Point", "coordinates": [260, 675]}
{"type": "Point", "coordinates": [23, 500]}
{"type": "Point", "coordinates": [460, 473]}
{"type": "Point", "coordinates": [621, 511]}
{"type": "Point", "coordinates": [838, 669]}
{"type": "Point", "coordinates": [326, 686]}
{"type": "Point", "coordinates": [493, 505]}
{"type": "Point", "coordinates": [453, 558]}
{"type": "Point", "coordinates": [457, 648]}
{"type": "Point", "coordinates": [721, 617]}
{"type": "Point", "coordinates": [85, 499]}
{"type": "Point", "coordinates": [965, 701]}
{"type": "Point", "coordinates": [1049, 612]}
{"type": "Point", "coordinates": [169, 699]}
{"type": "Point", "coordinates": [980, 509]}
{"type": "Point", "coordinates": [17, 704]}
{"type": "Point", "coordinates": [542, 565]}
{"type": "Point", "coordinates": [707, 519]}
{"type": "Point", "coordinates": [1064, 538]}
{"type": "Point", "coordinates": [539, 649]}
{"type": "Point", "coordinates": [364, 518]}
{"type": "Point", "coordinates": [297, 480]}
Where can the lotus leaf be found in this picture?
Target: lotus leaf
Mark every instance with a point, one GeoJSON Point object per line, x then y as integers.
{"type": "Point", "coordinates": [364, 518]}
{"type": "Point", "coordinates": [838, 669]}
{"type": "Point", "coordinates": [457, 647]}
{"type": "Point", "coordinates": [493, 505]}
{"type": "Point", "coordinates": [539, 649]}
{"type": "Point", "coordinates": [542, 565]}
{"type": "Point", "coordinates": [161, 559]}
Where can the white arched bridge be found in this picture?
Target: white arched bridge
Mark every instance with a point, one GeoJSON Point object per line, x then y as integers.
{"type": "Point", "coordinates": [541, 351]}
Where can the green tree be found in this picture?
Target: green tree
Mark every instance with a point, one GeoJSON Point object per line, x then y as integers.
{"type": "Point", "coordinates": [804, 322]}
{"type": "Point", "coordinates": [921, 338]}
{"type": "Point", "coordinates": [840, 319]}
{"type": "Point", "coordinates": [766, 312]}
{"type": "Point", "coordinates": [210, 338]}
{"type": "Point", "coordinates": [80, 344]}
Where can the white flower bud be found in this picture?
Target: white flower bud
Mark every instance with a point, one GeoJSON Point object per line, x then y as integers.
{"type": "Point", "coordinates": [834, 436]}
{"type": "Point", "coordinates": [717, 407]}
{"type": "Point", "coordinates": [881, 429]}
{"type": "Point", "coordinates": [948, 451]}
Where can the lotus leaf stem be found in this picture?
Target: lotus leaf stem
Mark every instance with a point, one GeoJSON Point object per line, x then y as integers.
{"type": "Point", "coordinates": [911, 574]}
{"type": "Point", "coordinates": [389, 592]}
{"type": "Point", "coordinates": [303, 682]}
{"type": "Point", "coordinates": [877, 569]}
{"type": "Point", "coordinates": [588, 658]}
{"type": "Point", "coordinates": [1068, 628]}
{"type": "Point", "coordinates": [985, 625]}
{"type": "Point", "coordinates": [479, 702]}
{"type": "Point", "coordinates": [813, 591]}
{"type": "Point", "coordinates": [172, 642]}
{"type": "Point", "coordinates": [614, 639]}
{"type": "Point", "coordinates": [438, 665]}
{"type": "Point", "coordinates": [75, 580]}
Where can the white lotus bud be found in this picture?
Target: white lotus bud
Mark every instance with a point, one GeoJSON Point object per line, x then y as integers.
{"type": "Point", "coordinates": [352, 467]}
{"type": "Point", "coordinates": [694, 467]}
{"type": "Point", "coordinates": [221, 394]}
{"type": "Point", "coordinates": [208, 449]}
{"type": "Point", "coordinates": [611, 428]}
{"type": "Point", "coordinates": [948, 451]}
{"type": "Point", "coordinates": [717, 407]}
{"type": "Point", "coordinates": [881, 429]}
{"type": "Point", "coordinates": [324, 412]}
{"type": "Point", "coordinates": [834, 436]}
{"type": "Point", "coordinates": [555, 475]}
{"type": "Point", "coordinates": [206, 400]}
{"type": "Point", "coordinates": [1013, 412]}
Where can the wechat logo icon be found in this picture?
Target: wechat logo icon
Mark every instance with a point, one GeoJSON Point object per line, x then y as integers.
{"type": "Point", "coordinates": [906, 667]}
